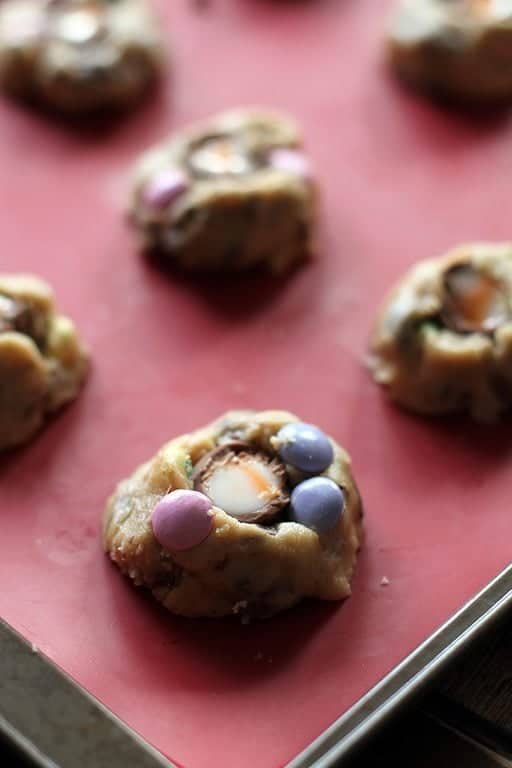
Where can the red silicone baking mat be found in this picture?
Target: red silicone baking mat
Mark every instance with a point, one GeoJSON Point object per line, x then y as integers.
{"type": "Point", "coordinates": [401, 180]}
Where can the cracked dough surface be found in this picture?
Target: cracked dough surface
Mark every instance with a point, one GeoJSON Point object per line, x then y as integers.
{"type": "Point", "coordinates": [78, 56]}
{"type": "Point", "coordinates": [42, 364]}
{"type": "Point", "coordinates": [461, 49]}
{"type": "Point", "coordinates": [258, 216]}
{"type": "Point", "coordinates": [243, 568]}
{"type": "Point", "coordinates": [431, 369]}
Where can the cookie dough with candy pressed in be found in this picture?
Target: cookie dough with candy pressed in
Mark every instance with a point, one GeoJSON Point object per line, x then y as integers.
{"type": "Point", "coordinates": [233, 193]}
{"type": "Point", "coordinates": [443, 340]}
{"type": "Point", "coordinates": [78, 56]}
{"type": "Point", "coordinates": [246, 516]}
{"type": "Point", "coordinates": [460, 49]}
{"type": "Point", "coordinates": [42, 361]}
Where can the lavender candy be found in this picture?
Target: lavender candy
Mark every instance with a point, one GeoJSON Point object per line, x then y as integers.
{"type": "Point", "coordinates": [318, 504]}
{"type": "Point", "coordinates": [305, 447]}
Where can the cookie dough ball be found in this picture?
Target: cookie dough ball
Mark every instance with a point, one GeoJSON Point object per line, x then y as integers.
{"type": "Point", "coordinates": [443, 341]}
{"type": "Point", "coordinates": [226, 520]}
{"type": "Point", "coordinates": [78, 56]}
{"type": "Point", "coordinates": [460, 49]}
{"type": "Point", "coordinates": [232, 194]}
{"type": "Point", "coordinates": [42, 362]}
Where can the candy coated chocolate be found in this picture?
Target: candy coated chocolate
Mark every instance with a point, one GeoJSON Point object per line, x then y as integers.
{"type": "Point", "coordinates": [317, 503]}
{"type": "Point", "coordinates": [182, 519]}
{"type": "Point", "coordinates": [164, 188]}
{"type": "Point", "coordinates": [290, 161]}
{"type": "Point", "coordinates": [305, 447]}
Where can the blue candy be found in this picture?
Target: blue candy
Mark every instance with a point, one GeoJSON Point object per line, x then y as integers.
{"type": "Point", "coordinates": [305, 447]}
{"type": "Point", "coordinates": [317, 503]}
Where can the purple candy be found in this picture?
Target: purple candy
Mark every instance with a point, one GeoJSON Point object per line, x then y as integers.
{"type": "Point", "coordinates": [305, 447]}
{"type": "Point", "coordinates": [182, 520]}
{"type": "Point", "coordinates": [317, 503]}
{"type": "Point", "coordinates": [164, 188]}
{"type": "Point", "coordinates": [290, 161]}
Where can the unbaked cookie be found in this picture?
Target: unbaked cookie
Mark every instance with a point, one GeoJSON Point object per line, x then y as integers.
{"type": "Point", "coordinates": [245, 516]}
{"type": "Point", "coordinates": [42, 362]}
{"type": "Point", "coordinates": [78, 56]}
{"type": "Point", "coordinates": [443, 341]}
{"type": "Point", "coordinates": [233, 193]}
{"type": "Point", "coordinates": [461, 49]}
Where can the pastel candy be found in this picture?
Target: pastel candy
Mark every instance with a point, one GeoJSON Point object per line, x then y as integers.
{"type": "Point", "coordinates": [182, 519]}
{"type": "Point", "coordinates": [317, 503]}
{"type": "Point", "coordinates": [23, 24]}
{"type": "Point", "coordinates": [305, 447]}
{"type": "Point", "coordinates": [290, 161]}
{"type": "Point", "coordinates": [164, 188]}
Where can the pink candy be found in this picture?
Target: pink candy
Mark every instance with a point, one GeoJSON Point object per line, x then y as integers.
{"type": "Point", "coordinates": [164, 188]}
{"type": "Point", "coordinates": [182, 520]}
{"type": "Point", "coordinates": [290, 161]}
{"type": "Point", "coordinates": [24, 25]}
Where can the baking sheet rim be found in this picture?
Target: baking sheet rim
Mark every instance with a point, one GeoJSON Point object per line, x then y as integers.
{"type": "Point", "coordinates": [372, 711]}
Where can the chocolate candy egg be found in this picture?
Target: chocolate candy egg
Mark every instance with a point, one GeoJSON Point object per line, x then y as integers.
{"type": "Point", "coordinates": [182, 519]}
{"type": "Point", "coordinates": [79, 24]}
{"type": "Point", "coordinates": [164, 188]}
{"type": "Point", "coordinates": [473, 301]}
{"type": "Point", "coordinates": [10, 313]}
{"type": "Point", "coordinates": [220, 156]}
{"type": "Point", "coordinates": [16, 315]}
{"type": "Point", "coordinates": [243, 481]}
{"type": "Point", "coordinates": [317, 503]}
{"type": "Point", "coordinates": [305, 447]}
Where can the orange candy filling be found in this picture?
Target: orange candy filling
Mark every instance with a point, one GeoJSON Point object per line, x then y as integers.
{"type": "Point", "coordinates": [473, 300]}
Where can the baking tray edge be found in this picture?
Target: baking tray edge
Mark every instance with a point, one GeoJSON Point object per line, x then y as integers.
{"type": "Point", "coordinates": [38, 701]}
{"type": "Point", "coordinates": [410, 676]}
{"type": "Point", "coordinates": [54, 723]}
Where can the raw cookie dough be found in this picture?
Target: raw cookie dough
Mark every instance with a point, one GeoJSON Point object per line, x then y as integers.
{"type": "Point", "coordinates": [443, 340]}
{"type": "Point", "coordinates": [233, 193]}
{"type": "Point", "coordinates": [460, 49]}
{"type": "Point", "coordinates": [232, 545]}
{"type": "Point", "coordinates": [42, 362]}
{"type": "Point", "coordinates": [78, 56]}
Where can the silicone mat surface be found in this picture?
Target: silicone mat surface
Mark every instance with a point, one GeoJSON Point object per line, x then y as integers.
{"type": "Point", "coordinates": [401, 180]}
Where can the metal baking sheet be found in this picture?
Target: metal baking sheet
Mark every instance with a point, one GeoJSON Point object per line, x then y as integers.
{"type": "Point", "coordinates": [401, 180]}
{"type": "Point", "coordinates": [38, 701]}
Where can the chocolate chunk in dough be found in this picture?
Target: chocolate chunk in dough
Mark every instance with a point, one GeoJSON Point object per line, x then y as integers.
{"type": "Point", "coordinates": [234, 193]}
